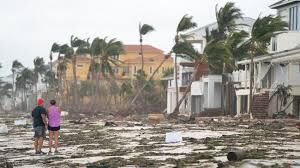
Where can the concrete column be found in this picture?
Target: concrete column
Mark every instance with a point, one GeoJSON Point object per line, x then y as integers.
{"type": "Point", "coordinates": [238, 104]}
{"type": "Point", "coordinates": [211, 93]}
{"type": "Point", "coordinates": [248, 104]}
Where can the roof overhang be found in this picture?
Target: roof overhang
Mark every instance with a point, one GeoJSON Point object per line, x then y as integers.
{"type": "Point", "coordinates": [283, 55]}
{"type": "Point", "coordinates": [283, 3]}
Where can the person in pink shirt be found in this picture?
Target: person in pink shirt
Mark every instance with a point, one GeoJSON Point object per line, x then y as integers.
{"type": "Point", "coordinates": [53, 113]}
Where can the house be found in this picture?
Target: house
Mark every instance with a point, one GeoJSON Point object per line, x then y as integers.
{"type": "Point", "coordinates": [280, 66]}
{"type": "Point", "coordinates": [129, 63]}
{"type": "Point", "coordinates": [206, 90]}
{"type": "Point", "coordinates": [132, 61]}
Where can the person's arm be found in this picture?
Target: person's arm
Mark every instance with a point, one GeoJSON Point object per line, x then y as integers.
{"type": "Point", "coordinates": [44, 119]}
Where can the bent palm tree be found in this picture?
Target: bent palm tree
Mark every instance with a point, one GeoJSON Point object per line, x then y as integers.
{"type": "Point", "coordinates": [262, 32]}
{"type": "Point", "coordinates": [143, 30]}
{"type": "Point", "coordinates": [185, 24]}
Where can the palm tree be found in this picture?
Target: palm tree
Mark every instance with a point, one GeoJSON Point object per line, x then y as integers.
{"type": "Point", "coordinates": [262, 31]}
{"type": "Point", "coordinates": [39, 69]}
{"type": "Point", "coordinates": [5, 91]}
{"type": "Point", "coordinates": [78, 47]}
{"type": "Point", "coordinates": [223, 43]}
{"type": "Point", "coordinates": [24, 82]}
{"type": "Point", "coordinates": [16, 68]}
{"type": "Point", "coordinates": [185, 49]}
{"type": "Point", "coordinates": [103, 60]}
{"type": "Point", "coordinates": [54, 49]}
{"type": "Point", "coordinates": [226, 20]}
{"type": "Point", "coordinates": [143, 30]}
{"type": "Point", "coordinates": [185, 24]}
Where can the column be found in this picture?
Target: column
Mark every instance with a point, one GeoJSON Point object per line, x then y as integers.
{"type": "Point", "coordinates": [211, 93]}
{"type": "Point", "coordinates": [238, 105]}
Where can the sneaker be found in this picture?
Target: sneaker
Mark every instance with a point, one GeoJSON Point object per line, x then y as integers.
{"type": "Point", "coordinates": [42, 153]}
{"type": "Point", "coordinates": [56, 152]}
{"type": "Point", "coordinates": [37, 152]}
{"type": "Point", "coordinates": [50, 152]}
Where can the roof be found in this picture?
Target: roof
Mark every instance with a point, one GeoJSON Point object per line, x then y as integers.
{"type": "Point", "coordinates": [136, 49]}
{"type": "Point", "coordinates": [283, 3]}
{"type": "Point", "coordinates": [285, 56]}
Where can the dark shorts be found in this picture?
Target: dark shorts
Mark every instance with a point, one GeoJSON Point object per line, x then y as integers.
{"type": "Point", "coordinates": [39, 132]}
{"type": "Point", "coordinates": [53, 128]}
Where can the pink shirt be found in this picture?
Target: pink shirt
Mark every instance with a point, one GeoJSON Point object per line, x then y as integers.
{"type": "Point", "coordinates": [54, 116]}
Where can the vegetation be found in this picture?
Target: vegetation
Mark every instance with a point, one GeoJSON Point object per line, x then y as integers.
{"type": "Point", "coordinates": [103, 92]}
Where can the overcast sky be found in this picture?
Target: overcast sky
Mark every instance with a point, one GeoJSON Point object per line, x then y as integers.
{"type": "Point", "coordinates": [28, 28]}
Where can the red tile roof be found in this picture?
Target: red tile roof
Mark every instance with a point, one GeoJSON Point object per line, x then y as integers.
{"type": "Point", "coordinates": [136, 49]}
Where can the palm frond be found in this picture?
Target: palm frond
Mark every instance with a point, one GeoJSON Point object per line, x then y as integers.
{"type": "Point", "coordinates": [185, 23]}
{"type": "Point", "coordinates": [145, 29]}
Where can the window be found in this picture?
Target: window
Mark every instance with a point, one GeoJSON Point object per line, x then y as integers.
{"type": "Point", "coordinates": [79, 65]}
{"type": "Point", "coordinates": [134, 69]}
{"type": "Point", "coordinates": [163, 69]}
{"type": "Point", "coordinates": [150, 69]}
{"type": "Point", "coordinates": [293, 18]}
{"type": "Point", "coordinates": [274, 44]}
{"type": "Point", "coordinates": [115, 57]}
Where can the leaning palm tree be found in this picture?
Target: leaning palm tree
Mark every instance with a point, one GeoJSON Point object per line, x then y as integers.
{"type": "Point", "coordinates": [186, 50]}
{"type": "Point", "coordinates": [185, 24]}
{"type": "Point", "coordinates": [143, 30]}
{"type": "Point", "coordinates": [15, 68]}
{"type": "Point", "coordinates": [262, 31]}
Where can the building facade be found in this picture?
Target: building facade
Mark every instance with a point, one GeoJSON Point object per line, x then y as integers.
{"type": "Point", "coordinates": [280, 67]}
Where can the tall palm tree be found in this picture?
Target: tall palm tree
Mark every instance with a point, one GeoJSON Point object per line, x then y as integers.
{"type": "Point", "coordinates": [223, 43]}
{"type": "Point", "coordinates": [15, 68]}
{"type": "Point", "coordinates": [5, 91]}
{"type": "Point", "coordinates": [262, 31]}
{"type": "Point", "coordinates": [226, 18]}
{"type": "Point", "coordinates": [77, 47]}
{"type": "Point", "coordinates": [185, 24]}
{"type": "Point", "coordinates": [24, 82]}
{"type": "Point", "coordinates": [54, 49]}
{"type": "Point", "coordinates": [39, 69]}
{"type": "Point", "coordinates": [143, 30]}
{"type": "Point", "coordinates": [103, 52]}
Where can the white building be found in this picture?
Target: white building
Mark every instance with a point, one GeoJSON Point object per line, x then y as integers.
{"type": "Point", "coordinates": [206, 91]}
{"type": "Point", "coordinates": [281, 66]}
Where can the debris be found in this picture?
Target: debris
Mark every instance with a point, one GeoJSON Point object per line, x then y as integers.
{"type": "Point", "coordinates": [64, 113]}
{"type": "Point", "coordinates": [20, 122]}
{"type": "Point", "coordinates": [3, 129]}
{"type": "Point", "coordinates": [156, 118]}
{"type": "Point", "coordinates": [298, 125]}
{"type": "Point", "coordinates": [290, 129]}
{"type": "Point", "coordinates": [110, 124]}
{"type": "Point", "coordinates": [173, 137]}
{"type": "Point", "coordinates": [236, 155]}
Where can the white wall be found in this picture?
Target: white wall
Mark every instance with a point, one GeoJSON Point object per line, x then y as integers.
{"type": "Point", "coordinates": [294, 74]}
{"type": "Point", "coordinates": [286, 41]}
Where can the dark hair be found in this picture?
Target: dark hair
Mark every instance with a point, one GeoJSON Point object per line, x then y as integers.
{"type": "Point", "coordinates": [52, 102]}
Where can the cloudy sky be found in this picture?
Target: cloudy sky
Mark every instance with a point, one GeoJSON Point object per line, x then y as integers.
{"type": "Point", "coordinates": [28, 28]}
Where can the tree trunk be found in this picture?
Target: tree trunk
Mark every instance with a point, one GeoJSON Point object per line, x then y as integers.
{"type": "Point", "coordinates": [142, 53]}
{"type": "Point", "coordinates": [13, 92]}
{"type": "Point", "coordinates": [151, 77]}
{"type": "Point", "coordinates": [176, 79]}
{"type": "Point", "coordinates": [75, 91]}
{"type": "Point", "coordinates": [251, 82]}
{"type": "Point", "coordinates": [187, 90]}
